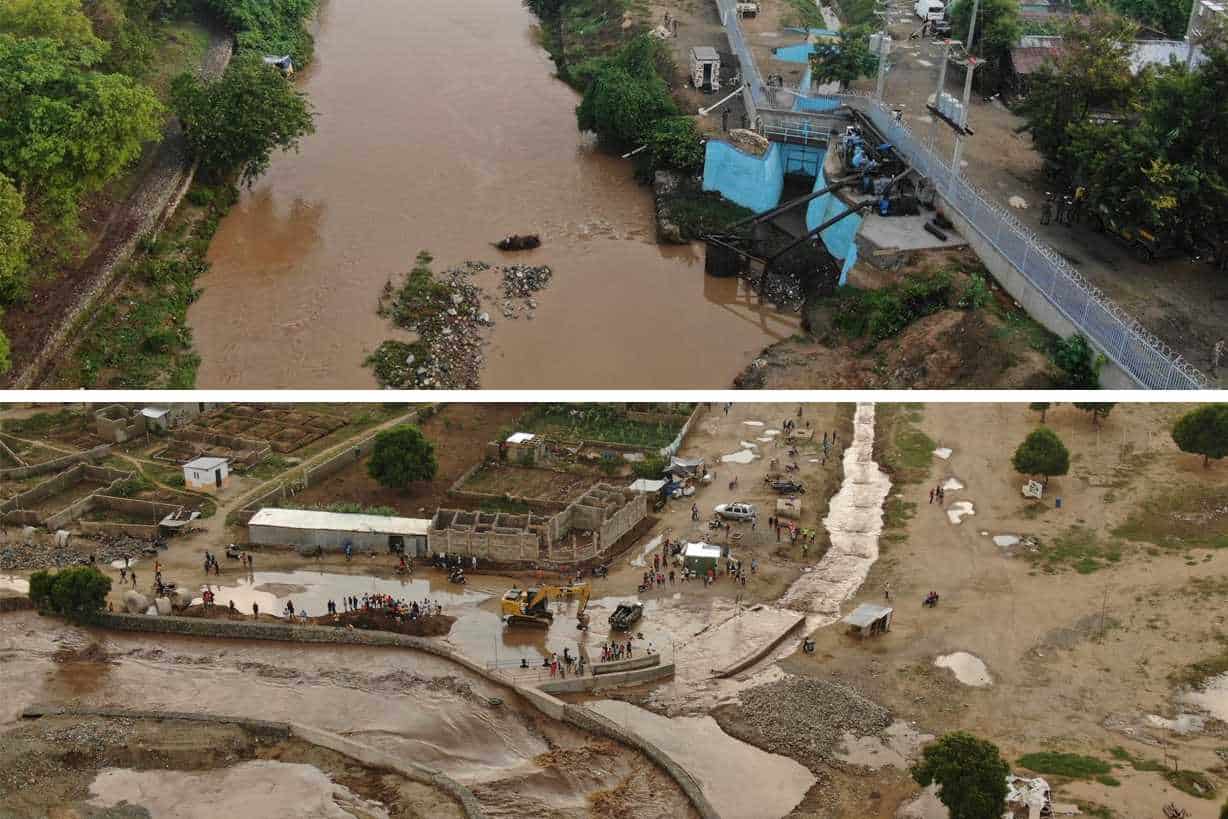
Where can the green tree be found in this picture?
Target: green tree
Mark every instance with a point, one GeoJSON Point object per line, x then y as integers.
{"type": "Point", "coordinates": [402, 455]}
{"type": "Point", "coordinates": [846, 60]}
{"type": "Point", "coordinates": [674, 144]}
{"type": "Point", "coordinates": [1098, 411]}
{"type": "Point", "coordinates": [269, 26]}
{"type": "Point", "coordinates": [1042, 453]}
{"type": "Point", "coordinates": [1203, 431]}
{"type": "Point", "coordinates": [1041, 407]}
{"type": "Point", "coordinates": [15, 233]}
{"type": "Point", "coordinates": [1167, 16]}
{"type": "Point", "coordinates": [78, 592]}
{"type": "Point", "coordinates": [67, 131]}
{"type": "Point", "coordinates": [234, 123]}
{"type": "Point", "coordinates": [1078, 363]}
{"type": "Point", "coordinates": [62, 21]}
{"type": "Point", "coordinates": [997, 31]}
{"type": "Point", "coordinates": [970, 773]}
{"type": "Point", "coordinates": [651, 468]}
{"type": "Point", "coordinates": [1092, 72]}
{"type": "Point", "coordinates": [627, 96]}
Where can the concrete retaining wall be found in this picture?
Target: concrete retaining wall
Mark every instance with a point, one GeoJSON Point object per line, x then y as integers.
{"type": "Point", "coordinates": [760, 652]}
{"type": "Point", "coordinates": [615, 666]}
{"type": "Point", "coordinates": [541, 700]}
{"type": "Point", "coordinates": [1030, 298]}
{"type": "Point", "coordinates": [753, 182]}
{"type": "Point", "coordinates": [580, 684]}
{"type": "Point", "coordinates": [595, 723]}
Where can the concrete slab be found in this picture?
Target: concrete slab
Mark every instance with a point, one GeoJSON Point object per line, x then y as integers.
{"type": "Point", "coordinates": [905, 233]}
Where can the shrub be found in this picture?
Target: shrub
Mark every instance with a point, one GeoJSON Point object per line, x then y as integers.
{"type": "Point", "coordinates": [78, 592]}
{"type": "Point", "coordinates": [401, 456]}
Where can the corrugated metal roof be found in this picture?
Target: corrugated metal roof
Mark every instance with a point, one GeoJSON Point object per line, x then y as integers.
{"type": "Point", "coordinates": [865, 614]}
{"type": "Point", "coordinates": [706, 550]}
{"type": "Point", "coordinates": [339, 522]}
{"type": "Point", "coordinates": [206, 462]}
{"type": "Point", "coordinates": [1028, 59]}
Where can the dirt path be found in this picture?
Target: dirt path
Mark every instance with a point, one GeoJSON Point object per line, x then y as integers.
{"type": "Point", "coordinates": [43, 327]}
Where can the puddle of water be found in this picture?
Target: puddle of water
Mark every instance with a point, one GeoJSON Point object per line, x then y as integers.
{"type": "Point", "coordinates": [742, 456]}
{"type": "Point", "coordinates": [1005, 540]}
{"type": "Point", "coordinates": [256, 788]}
{"type": "Point", "coordinates": [943, 452]}
{"type": "Point", "coordinates": [896, 747]}
{"type": "Point", "coordinates": [271, 590]}
{"type": "Point", "coordinates": [952, 484]}
{"type": "Point", "coordinates": [12, 582]}
{"type": "Point", "coordinates": [854, 522]}
{"type": "Point", "coordinates": [969, 669]}
{"type": "Point", "coordinates": [753, 423]}
{"type": "Point", "coordinates": [710, 755]}
{"type": "Point", "coordinates": [1212, 697]}
{"type": "Point", "coordinates": [958, 510]}
{"type": "Point", "coordinates": [771, 433]}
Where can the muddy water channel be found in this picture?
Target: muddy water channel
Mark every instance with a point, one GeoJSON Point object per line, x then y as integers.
{"type": "Point", "coordinates": [408, 704]}
{"type": "Point", "coordinates": [442, 127]}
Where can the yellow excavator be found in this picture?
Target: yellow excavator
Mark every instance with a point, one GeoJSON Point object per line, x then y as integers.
{"type": "Point", "coordinates": [531, 607]}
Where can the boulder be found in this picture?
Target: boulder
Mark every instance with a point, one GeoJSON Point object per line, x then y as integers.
{"type": "Point", "coordinates": [164, 606]}
{"type": "Point", "coordinates": [135, 602]}
{"type": "Point", "coordinates": [749, 142]}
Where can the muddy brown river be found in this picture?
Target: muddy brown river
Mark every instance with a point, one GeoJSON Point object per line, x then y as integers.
{"type": "Point", "coordinates": [443, 127]}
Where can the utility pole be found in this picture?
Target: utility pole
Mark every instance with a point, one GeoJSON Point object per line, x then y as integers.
{"type": "Point", "coordinates": [969, 67]}
{"type": "Point", "coordinates": [884, 48]}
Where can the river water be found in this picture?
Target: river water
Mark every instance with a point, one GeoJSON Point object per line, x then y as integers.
{"type": "Point", "coordinates": [442, 127]}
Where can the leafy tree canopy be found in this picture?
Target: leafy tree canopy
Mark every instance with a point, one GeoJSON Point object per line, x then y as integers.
{"type": "Point", "coordinates": [15, 233]}
{"type": "Point", "coordinates": [1098, 411]}
{"type": "Point", "coordinates": [845, 61]}
{"type": "Point", "coordinates": [970, 772]}
{"type": "Point", "coordinates": [67, 131]}
{"type": "Point", "coordinates": [1203, 431]}
{"type": "Point", "coordinates": [1042, 453]}
{"type": "Point", "coordinates": [238, 120]}
{"type": "Point", "coordinates": [401, 456]}
{"type": "Point", "coordinates": [627, 95]}
{"type": "Point", "coordinates": [61, 21]}
{"type": "Point", "coordinates": [997, 30]}
{"type": "Point", "coordinates": [78, 592]}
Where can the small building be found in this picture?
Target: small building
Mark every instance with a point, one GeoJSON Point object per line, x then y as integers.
{"type": "Point", "coordinates": [524, 447]}
{"type": "Point", "coordinates": [705, 68]}
{"type": "Point", "coordinates": [700, 557]}
{"type": "Point", "coordinates": [207, 473]}
{"type": "Point", "coordinates": [118, 423]}
{"type": "Point", "coordinates": [309, 530]}
{"type": "Point", "coordinates": [158, 418]}
{"type": "Point", "coordinates": [868, 619]}
{"type": "Point", "coordinates": [648, 487]}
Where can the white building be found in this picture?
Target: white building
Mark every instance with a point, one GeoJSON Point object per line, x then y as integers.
{"type": "Point", "coordinates": [207, 474]}
{"type": "Point", "coordinates": [309, 530]}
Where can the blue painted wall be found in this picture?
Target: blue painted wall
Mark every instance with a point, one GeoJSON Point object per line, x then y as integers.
{"type": "Point", "coordinates": [753, 182]}
{"type": "Point", "coordinates": [756, 183]}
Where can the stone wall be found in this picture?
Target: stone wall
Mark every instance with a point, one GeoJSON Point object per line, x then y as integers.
{"type": "Point", "coordinates": [499, 536]}
{"type": "Point", "coordinates": [119, 423]}
{"type": "Point", "coordinates": [98, 453]}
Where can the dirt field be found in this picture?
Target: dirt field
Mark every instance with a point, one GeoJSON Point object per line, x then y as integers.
{"type": "Point", "coordinates": [539, 484]}
{"type": "Point", "coordinates": [1078, 660]}
{"type": "Point", "coordinates": [459, 432]}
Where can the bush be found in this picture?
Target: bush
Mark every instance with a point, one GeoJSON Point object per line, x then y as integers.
{"type": "Point", "coordinates": [401, 456]}
{"type": "Point", "coordinates": [976, 293]}
{"type": "Point", "coordinates": [627, 96]}
{"type": "Point", "coordinates": [1074, 766]}
{"type": "Point", "coordinates": [78, 593]}
{"type": "Point", "coordinates": [652, 467]}
{"type": "Point", "coordinates": [674, 144]}
{"type": "Point", "coordinates": [882, 314]}
{"type": "Point", "coordinates": [1078, 363]}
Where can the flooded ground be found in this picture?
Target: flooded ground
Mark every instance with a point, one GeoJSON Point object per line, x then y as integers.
{"type": "Point", "coordinates": [408, 704]}
{"type": "Point", "coordinates": [257, 788]}
{"type": "Point", "coordinates": [445, 130]}
{"type": "Point", "coordinates": [310, 591]}
{"type": "Point", "coordinates": [969, 669]}
{"type": "Point", "coordinates": [765, 785]}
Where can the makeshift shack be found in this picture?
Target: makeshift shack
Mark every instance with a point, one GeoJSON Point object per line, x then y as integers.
{"type": "Point", "coordinates": [687, 467]}
{"type": "Point", "coordinates": [524, 447]}
{"type": "Point", "coordinates": [206, 474]}
{"type": "Point", "coordinates": [869, 619]}
{"type": "Point", "coordinates": [706, 68]}
{"type": "Point", "coordinates": [700, 557]}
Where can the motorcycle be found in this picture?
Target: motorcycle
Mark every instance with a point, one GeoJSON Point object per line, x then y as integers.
{"type": "Point", "coordinates": [791, 467]}
{"type": "Point", "coordinates": [601, 571]}
{"type": "Point", "coordinates": [457, 576]}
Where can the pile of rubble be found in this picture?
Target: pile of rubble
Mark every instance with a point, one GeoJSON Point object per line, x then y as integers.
{"type": "Point", "coordinates": [448, 352]}
{"type": "Point", "coordinates": [44, 553]}
{"type": "Point", "coordinates": [518, 283]}
{"type": "Point", "coordinates": [805, 718]}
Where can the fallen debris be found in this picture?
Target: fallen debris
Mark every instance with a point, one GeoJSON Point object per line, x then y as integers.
{"type": "Point", "coordinates": [529, 241]}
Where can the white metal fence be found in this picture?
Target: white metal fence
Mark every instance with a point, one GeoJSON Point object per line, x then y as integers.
{"type": "Point", "coordinates": [1146, 359]}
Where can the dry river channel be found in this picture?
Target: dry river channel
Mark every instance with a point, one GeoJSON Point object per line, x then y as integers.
{"type": "Point", "coordinates": [444, 128]}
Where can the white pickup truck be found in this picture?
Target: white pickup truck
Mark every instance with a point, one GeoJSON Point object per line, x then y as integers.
{"type": "Point", "coordinates": [932, 10]}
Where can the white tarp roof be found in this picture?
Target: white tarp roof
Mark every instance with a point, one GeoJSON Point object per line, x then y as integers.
{"type": "Point", "coordinates": [705, 550]}
{"type": "Point", "coordinates": [339, 522]}
{"type": "Point", "coordinates": [865, 614]}
{"type": "Point", "coordinates": [205, 462]}
{"type": "Point", "coordinates": [155, 412]}
{"type": "Point", "coordinates": [520, 437]}
{"type": "Point", "coordinates": [645, 485]}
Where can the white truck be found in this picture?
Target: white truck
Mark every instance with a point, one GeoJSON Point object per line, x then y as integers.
{"type": "Point", "coordinates": [932, 10]}
{"type": "Point", "coordinates": [748, 8]}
